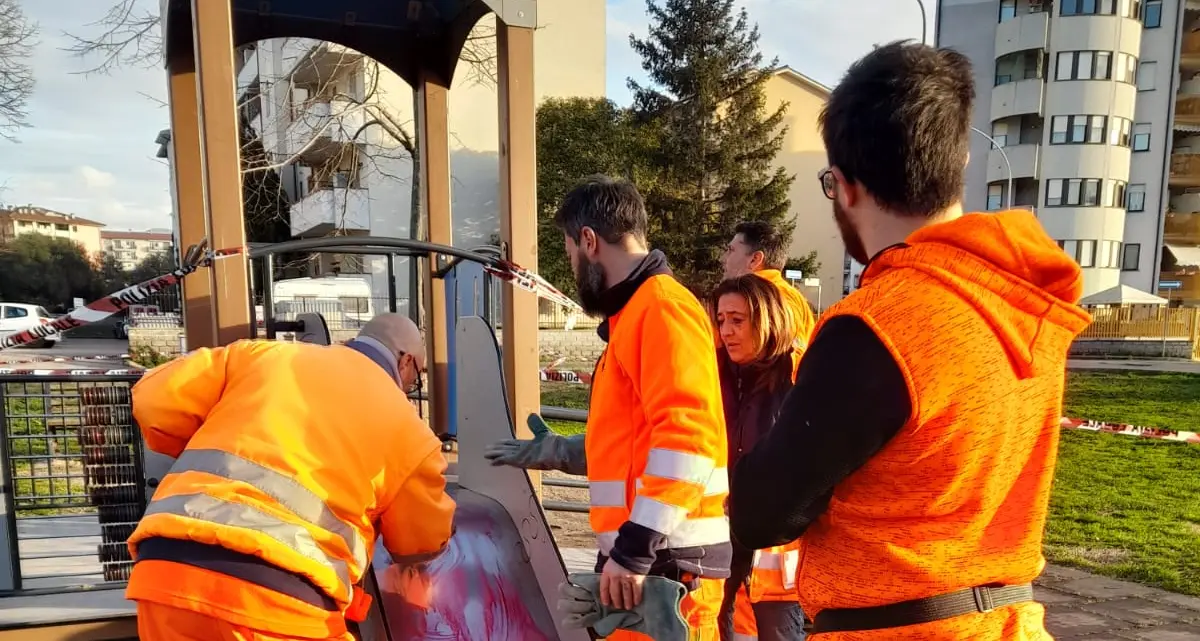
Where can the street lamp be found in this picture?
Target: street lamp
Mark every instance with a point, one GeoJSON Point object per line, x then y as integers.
{"type": "Point", "coordinates": [1007, 165]}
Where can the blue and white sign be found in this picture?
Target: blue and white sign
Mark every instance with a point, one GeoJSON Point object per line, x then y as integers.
{"type": "Point", "coordinates": [1170, 284]}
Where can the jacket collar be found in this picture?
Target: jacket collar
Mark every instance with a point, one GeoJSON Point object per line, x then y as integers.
{"type": "Point", "coordinates": [614, 299]}
{"type": "Point", "coordinates": [378, 353]}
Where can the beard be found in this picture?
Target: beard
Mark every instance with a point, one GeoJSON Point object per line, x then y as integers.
{"type": "Point", "coordinates": [589, 282]}
{"type": "Point", "coordinates": [850, 237]}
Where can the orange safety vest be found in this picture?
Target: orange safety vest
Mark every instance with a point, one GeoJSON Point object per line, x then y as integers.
{"type": "Point", "coordinates": [979, 313]}
{"type": "Point", "coordinates": [794, 301]}
{"type": "Point", "coordinates": [656, 446]}
{"type": "Point", "coordinates": [296, 454]}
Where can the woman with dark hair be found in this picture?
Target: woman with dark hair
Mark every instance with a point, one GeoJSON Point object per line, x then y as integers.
{"type": "Point", "coordinates": [757, 358]}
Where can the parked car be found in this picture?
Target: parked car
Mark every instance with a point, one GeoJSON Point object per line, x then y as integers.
{"type": "Point", "coordinates": [16, 317]}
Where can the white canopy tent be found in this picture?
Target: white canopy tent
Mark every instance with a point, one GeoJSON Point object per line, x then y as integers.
{"type": "Point", "coordinates": [1122, 295]}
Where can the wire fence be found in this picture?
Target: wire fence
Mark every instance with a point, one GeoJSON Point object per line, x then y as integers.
{"type": "Point", "coordinates": [73, 469]}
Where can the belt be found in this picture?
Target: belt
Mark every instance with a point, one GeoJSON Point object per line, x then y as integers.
{"type": "Point", "coordinates": [926, 610]}
{"type": "Point", "coordinates": [246, 567]}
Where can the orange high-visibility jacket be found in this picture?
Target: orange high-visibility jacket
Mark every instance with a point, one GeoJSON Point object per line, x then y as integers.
{"type": "Point", "coordinates": [979, 313]}
{"type": "Point", "coordinates": [656, 447]}
{"type": "Point", "coordinates": [296, 454]}
{"type": "Point", "coordinates": [794, 301]}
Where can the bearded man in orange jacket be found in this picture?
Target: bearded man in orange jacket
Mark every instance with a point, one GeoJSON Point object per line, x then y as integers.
{"type": "Point", "coordinates": [290, 459]}
{"type": "Point", "coordinates": [916, 452]}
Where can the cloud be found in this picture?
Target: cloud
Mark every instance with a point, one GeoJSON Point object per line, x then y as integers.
{"type": "Point", "coordinates": [95, 179]}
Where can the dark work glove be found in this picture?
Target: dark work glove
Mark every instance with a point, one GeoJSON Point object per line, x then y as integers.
{"type": "Point", "coordinates": [657, 616]}
{"type": "Point", "coordinates": [546, 451]}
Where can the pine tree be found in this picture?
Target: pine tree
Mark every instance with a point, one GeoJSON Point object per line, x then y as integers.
{"type": "Point", "coordinates": [716, 143]}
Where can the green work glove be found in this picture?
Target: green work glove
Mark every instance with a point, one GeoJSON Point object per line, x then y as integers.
{"type": "Point", "coordinates": [657, 616]}
{"type": "Point", "coordinates": [547, 450]}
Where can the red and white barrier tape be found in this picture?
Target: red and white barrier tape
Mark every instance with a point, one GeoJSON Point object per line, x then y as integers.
{"type": "Point", "coordinates": [4, 371]}
{"type": "Point", "coordinates": [1125, 429]}
{"type": "Point", "coordinates": [197, 256]}
{"type": "Point", "coordinates": [63, 359]}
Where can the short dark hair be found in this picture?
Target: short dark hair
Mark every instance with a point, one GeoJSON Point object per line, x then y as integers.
{"type": "Point", "coordinates": [899, 124]}
{"type": "Point", "coordinates": [764, 237]}
{"type": "Point", "coordinates": [612, 207]}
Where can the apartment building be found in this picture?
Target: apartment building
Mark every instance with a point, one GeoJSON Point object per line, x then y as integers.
{"type": "Point", "coordinates": [132, 247]}
{"type": "Point", "coordinates": [1095, 115]}
{"type": "Point", "coordinates": [339, 128]}
{"type": "Point", "coordinates": [28, 219]}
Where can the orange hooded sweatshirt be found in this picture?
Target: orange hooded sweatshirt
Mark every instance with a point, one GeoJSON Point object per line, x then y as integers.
{"type": "Point", "coordinates": [978, 314]}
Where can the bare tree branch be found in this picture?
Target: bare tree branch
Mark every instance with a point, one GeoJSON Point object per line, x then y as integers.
{"type": "Point", "coordinates": [17, 42]}
{"type": "Point", "coordinates": [129, 37]}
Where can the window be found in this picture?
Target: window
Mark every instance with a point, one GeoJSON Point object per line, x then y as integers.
{"type": "Point", "coordinates": [1135, 198]}
{"type": "Point", "coordinates": [1086, 256]}
{"type": "Point", "coordinates": [61, 227]}
{"type": "Point", "coordinates": [1089, 7]}
{"type": "Point", "coordinates": [1084, 65]}
{"type": "Point", "coordinates": [1126, 68]}
{"type": "Point", "coordinates": [1131, 256]}
{"type": "Point", "coordinates": [1008, 10]}
{"type": "Point", "coordinates": [1145, 76]}
{"type": "Point", "coordinates": [1084, 192]}
{"type": "Point", "coordinates": [1152, 17]}
{"type": "Point", "coordinates": [354, 304]}
{"type": "Point", "coordinates": [1110, 254]}
{"type": "Point", "coordinates": [1000, 134]}
{"type": "Point", "coordinates": [995, 199]}
{"type": "Point", "coordinates": [15, 312]}
{"type": "Point", "coordinates": [1141, 136]}
{"type": "Point", "coordinates": [1076, 130]}
{"type": "Point", "coordinates": [1119, 132]}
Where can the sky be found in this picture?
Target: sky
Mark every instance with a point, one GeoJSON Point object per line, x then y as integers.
{"type": "Point", "coordinates": [90, 150]}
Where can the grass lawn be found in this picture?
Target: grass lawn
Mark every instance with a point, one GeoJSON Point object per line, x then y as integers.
{"type": "Point", "coordinates": [1123, 507]}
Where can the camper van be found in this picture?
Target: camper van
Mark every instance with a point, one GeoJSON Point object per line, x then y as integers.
{"type": "Point", "coordinates": [350, 293]}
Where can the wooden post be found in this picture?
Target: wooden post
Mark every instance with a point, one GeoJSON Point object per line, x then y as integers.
{"type": "Point", "coordinates": [433, 143]}
{"type": "Point", "coordinates": [518, 218]}
{"type": "Point", "coordinates": [220, 145]}
{"type": "Point", "coordinates": [199, 309]}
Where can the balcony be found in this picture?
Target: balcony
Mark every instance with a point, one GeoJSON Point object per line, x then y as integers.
{"type": "Point", "coordinates": [247, 75]}
{"type": "Point", "coordinates": [1018, 98]}
{"type": "Point", "coordinates": [320, 62]}
{"type": "Point", "coordinates": [1187, 110]}
{"type": "Point", "coordinates": [1024, 160]}
{"type": "Point", "coordinates": [317, 128]}
{"type": "Point", "coordinates": [1185, 170]}
{"type": "Point", "coordinates": [1189, 51]}
{"type": "Point", "coordinates": [1026, 31]}
{"type": "Point", "coordinates": [1180, 228]}
{"type": "Point", "coordinates": [327, 210]}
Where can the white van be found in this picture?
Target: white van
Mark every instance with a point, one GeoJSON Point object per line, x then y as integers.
{"type": "Point", "coordinates": [16, 317]}
{"type": "Point", "coordinates": [352, 291]}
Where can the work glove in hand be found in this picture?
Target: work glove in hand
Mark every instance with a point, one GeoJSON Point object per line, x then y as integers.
{"type": "Point", "coordinates": [547, 450]}
{"type": "Point", "coordinates": [657, 616]}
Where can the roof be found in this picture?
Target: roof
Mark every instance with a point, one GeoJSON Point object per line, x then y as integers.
{"type": "Point", "coordinates": [787, 72]}
{"type": "Point", "coordinates": [1123, 295]}
{"type": "Point", "coordinates": [135, 235]}
{"type": "Point", "coordinates": [1185, 256]}
{"type": "Point", "coordinates": [41, 215]}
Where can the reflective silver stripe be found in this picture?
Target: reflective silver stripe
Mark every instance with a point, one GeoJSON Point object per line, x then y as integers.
{"type": "Point", "coordinates": [744, 637]}
{"type": "Point", "coordinates": [656, 515]}
{"type": "Point", "coordinates": [786, 564]}
{"type": "Point", "coordinates": [718, 482]}
{"type": "Point", "coordinates": [680, 466]}
{"type": "Point", "coordinates": [696, 532]}
{"type": "Point", "coordinates": [605, 541]}
{"type": "Point", "coordinates": [203, 507]}
{"type": "Point", "coordinates": [290, 494]}
{"type": "Point", "coordinates": [607, 493]}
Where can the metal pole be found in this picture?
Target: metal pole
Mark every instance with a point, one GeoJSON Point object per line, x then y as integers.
{"type": "Point", "coordinates": [391, 276]}
{"type": "Point", "coordinates": [268, 280]}
{"type": "Point", "coordinates": [1007, 165]}
{"type": "Point", "coordinates": [924, 21]}
{"type": "Point", "coordinates": [1166, 315]}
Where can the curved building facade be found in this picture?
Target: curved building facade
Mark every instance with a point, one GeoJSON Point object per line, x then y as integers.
{"type": "Point", "coordinates": [1079, 97]}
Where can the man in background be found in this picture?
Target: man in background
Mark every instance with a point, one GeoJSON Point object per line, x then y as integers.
{"type": "Point", "coordinates": [758, 248]}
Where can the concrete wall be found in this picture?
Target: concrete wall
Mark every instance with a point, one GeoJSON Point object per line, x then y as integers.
{"type": "Point", "coordinates": [1148, 348]}
{"type": "Point", "coordinates": [578, 346]}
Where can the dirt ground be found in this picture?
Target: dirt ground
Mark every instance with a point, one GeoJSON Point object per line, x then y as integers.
{"type": "Point", "coordinates": [570, 529]}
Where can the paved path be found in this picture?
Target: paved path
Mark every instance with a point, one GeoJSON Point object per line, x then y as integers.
{"type": "Point", "coordinates": [1185, 367]}
{"type": "Point", "coordinates": [1079, 606]}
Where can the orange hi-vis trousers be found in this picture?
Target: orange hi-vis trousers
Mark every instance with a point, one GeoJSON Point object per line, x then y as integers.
{"type": "Point", "coordinates": [699, 608]}
{"type": "Point", "coordinates": [158, 622]}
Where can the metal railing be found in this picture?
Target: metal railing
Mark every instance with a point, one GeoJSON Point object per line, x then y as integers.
{"type": "Point", "coordinates": [575, 416]}
{"type": "Point", "coordinates": [1142, 322]}
{"type": "Point", "coordinates": [73, 472]}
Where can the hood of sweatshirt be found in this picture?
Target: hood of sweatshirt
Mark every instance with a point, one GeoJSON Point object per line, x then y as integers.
{"type": "Point", "coordinates": [1009, 270]}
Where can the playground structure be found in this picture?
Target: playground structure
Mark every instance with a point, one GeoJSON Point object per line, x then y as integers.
{"type": "Point", "coordinates": [502, 566]}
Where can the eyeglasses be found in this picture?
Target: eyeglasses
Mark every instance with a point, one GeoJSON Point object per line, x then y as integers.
{"type": "Point", "coordinates": [828, 182]}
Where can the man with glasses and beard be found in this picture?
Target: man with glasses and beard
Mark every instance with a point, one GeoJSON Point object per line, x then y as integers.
{"type": "Point", "coordinates": [655, 442]}
{"type": "Point", "coordinates": [916, 451]}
